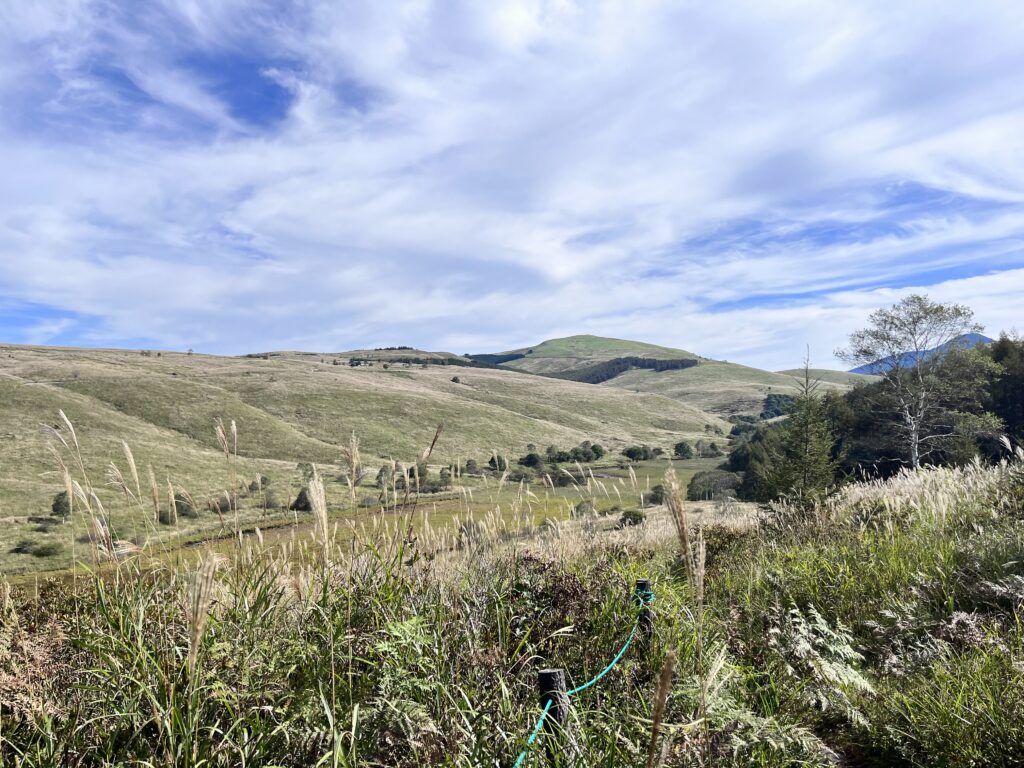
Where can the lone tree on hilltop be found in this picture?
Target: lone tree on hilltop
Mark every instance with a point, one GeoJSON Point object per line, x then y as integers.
{"type": "Point", "coordinates": [932, 397]}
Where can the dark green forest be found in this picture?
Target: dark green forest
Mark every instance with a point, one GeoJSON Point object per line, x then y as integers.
{"type": "Point", "coordinates": [977, 405]}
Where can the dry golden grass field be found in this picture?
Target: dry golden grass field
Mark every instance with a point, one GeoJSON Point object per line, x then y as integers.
{"type": "Point", "coordinates": [289, 408]}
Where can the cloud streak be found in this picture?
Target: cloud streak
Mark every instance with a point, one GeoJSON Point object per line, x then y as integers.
{"type": "Point", "coordinates": [739, 180]}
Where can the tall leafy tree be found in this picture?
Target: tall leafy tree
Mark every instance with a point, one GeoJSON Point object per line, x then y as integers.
{"type": "Point", "coordinates": [932, 402]}
{"type": "Point", "coordinates": [1006, 399]}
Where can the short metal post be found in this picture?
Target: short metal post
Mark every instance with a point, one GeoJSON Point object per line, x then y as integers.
{"type": "Point", "coordinates": [643, 596]}
{"type": "Point", "coordinates": [553, 689]}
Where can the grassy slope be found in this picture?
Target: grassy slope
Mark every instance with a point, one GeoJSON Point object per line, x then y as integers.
{"type": "Point", "coordinates": [828, 376]}
{"type": "Point", "coordinates": [557, 355]}
{"type": "Point", "coordinates": [29, 476]}
{"type": "Point", "coordinates": [395, 412]}
{"type": "Point", "coordinates": [289, 408]}
{"type": "Point", "coordinates": [723, 388]}
{"type": "Point", "coordinates": [293, 408]}
{"type": "Point", "coordinates": [713, 386]}
{"type": "Point", "coordinates": [395, 354]}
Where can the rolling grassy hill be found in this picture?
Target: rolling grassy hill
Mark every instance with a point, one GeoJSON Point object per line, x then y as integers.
{"type": "Point", "coordinates": [290, 408]}
{"type": "Point", "coordinates": [394, 354]}
{"type": "Point", "coordinates": [294, 407]}
{"type": "Point", "coordinates": [572, 352]}
{"type": "Point", "coordinates": [715, 387]}
{"type": "Point", "coordinates": [712, 386]}
{"type": "Point", "coordinates": [828, 376]}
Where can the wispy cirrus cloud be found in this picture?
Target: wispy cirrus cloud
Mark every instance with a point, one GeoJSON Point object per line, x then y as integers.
{"type": "Point", "coordinates": [739, 179]}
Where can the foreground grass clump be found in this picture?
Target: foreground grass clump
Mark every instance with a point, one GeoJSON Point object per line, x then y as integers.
{"type": "Point", "coordinates": [926, 573]}
{"type": "Point", "coordinates": [880, 628]}
{"type": "Point", "coordinates": [366, 661]}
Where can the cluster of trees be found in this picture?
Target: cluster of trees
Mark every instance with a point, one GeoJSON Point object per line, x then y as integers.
{"type": "Point", "coordinates": [641, 452]}
{"type": "Point", "coordinates": [702, 449]}
{"type": "Point", "coordinates": [682, 450]}
{"type": "Point", "coordinates": [776, 405]}
{"type": "Point", "coordinates": [924, 409]}
{"type": "Point", "coordinates": [609, 369]}
{"type": "Point", "coordinates": [423, 361]}
{"type": "Point", "coordinates": [708, 449]}
{"type": "Point", "coordinates": [1006, 390]}
{"type": "Point", "coordinates": [392, 477]}
{"type": "Point", "coordinates": [495, 359]}
{"type": "Point", "coordinates": [743, 424]}
{"type": "Point", "coordinates": [713, 485]}
{"type": "Point", "coordinates": [584, 453]}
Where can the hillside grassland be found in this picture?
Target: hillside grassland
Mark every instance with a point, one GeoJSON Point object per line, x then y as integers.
{"type": "Point", "coordinates": [826, 376]}
{"type": "Point", "coordinates": [712, 386]}
{"type": "Point", "coordinates": [395, 354]}
{"type": "Point", "coordinates": [724, 389]}
{"type": "Point", "coordinates": [300, 409]}
{"type": "Point", "coordinates": [289, 409]}
{"type": "Point", "coordinates": [485, 496]}
{"type": "Point", "coordinates": [877, 625]}
{"type": "Point", "coordinates": [571, 352]}
{"type": "Point", "coordinates": [881, 627]}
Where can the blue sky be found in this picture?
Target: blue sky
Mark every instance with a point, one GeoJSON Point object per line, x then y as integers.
{"type": "Point", "coordinates": [742, 179]}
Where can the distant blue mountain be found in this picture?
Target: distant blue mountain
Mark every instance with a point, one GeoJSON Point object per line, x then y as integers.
{"type": "Point", "coordinates": [965, 341]}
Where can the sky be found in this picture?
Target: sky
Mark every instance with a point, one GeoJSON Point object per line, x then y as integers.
{"type": "Point", "coordinates": [745, 180]}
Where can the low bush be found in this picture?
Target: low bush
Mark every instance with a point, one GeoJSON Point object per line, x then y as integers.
{"type": "Point", "coordinates": [534, 460]}
{"type": "Point", "coordinates": [184, 506]}
{"type": "Point", "coordinates": [302, 502]}
{"type": "Point", "coordinates": [584, 508]}
{"type": "Point", "coordinates": [563, 478]}
{"type": "Point", "coordinates": [222, 504]}
{"type": "Point", "coordinates": [655, 496]}
{"type": "Point", "coordinates": [261, 482]}
{"type": "Point", "coordinates": [38, 548]}
{"type": "Point", "coordinates": [61, 506]}
{"type": "Point", "coordinates": [519, 476]}
{"type": "Point", "coordinates": [631, 517]}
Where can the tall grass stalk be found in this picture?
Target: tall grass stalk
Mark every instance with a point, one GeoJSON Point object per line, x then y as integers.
{"type": "Point", "coordinates": [693, 553]}
{"type": "Point", "coordinates": [201, 596]}
{"type": "Point", "coordinates": [660, 699]}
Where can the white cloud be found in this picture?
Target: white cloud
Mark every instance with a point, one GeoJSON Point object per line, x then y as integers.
{"type": "Point", "coordinates": [46, 331]}
{"type": "Point", "coordinates": [487, 175]}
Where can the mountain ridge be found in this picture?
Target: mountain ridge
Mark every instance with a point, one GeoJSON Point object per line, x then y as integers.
{"type": "Point", "coordinates": [963, 341]}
